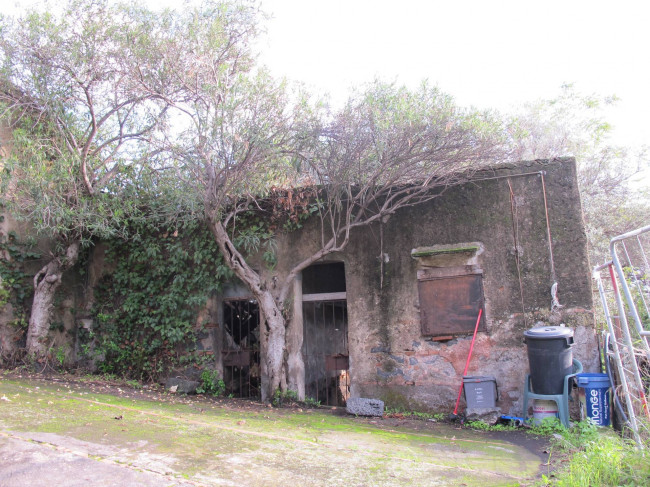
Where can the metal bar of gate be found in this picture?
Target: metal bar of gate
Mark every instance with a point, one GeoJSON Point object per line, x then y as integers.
{"type": "Point", "coordinates": [626, 290]}
{"type": "Point", "coordinates": [628, 343]}
{"type": "Point", "coordinates": [617, 356]}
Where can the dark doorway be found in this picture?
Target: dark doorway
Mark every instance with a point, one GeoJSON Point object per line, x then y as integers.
{"type": "Point", "coordinates": [241, 348]}
{"type": "Point", "coordinates": [325, 334]}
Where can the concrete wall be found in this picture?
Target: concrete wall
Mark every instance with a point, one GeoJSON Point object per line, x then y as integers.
{"type": "Point", "coordinates": [389, 356]}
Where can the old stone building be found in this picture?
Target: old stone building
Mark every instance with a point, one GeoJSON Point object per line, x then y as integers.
{"type": "Point", "coordinates": [392, 316]}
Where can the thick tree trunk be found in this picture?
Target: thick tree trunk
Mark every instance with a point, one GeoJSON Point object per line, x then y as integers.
{"type": "Point", "coordinates": [275, 344]}
{"type": "Point", "coordinates": [272, 320]}
{"type": "Point", "coordinates": [46, 283]}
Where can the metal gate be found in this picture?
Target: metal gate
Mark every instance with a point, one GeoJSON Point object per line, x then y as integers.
{"type": "Point", "coordinates": [624, 286]}
{"type": "Point", "coordinates": [241, 348]}
{"type": "Point", "coordinates": [325, 351]}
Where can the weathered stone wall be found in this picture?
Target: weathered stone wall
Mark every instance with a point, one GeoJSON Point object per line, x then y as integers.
{"type": "Point", "coordinates": [390, 359]}
{"type": "Point", "coordinates": [10, 332]}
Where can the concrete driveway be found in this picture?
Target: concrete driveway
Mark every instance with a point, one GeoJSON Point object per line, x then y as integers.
{"type": "Point", "coordinates": [67, 433]}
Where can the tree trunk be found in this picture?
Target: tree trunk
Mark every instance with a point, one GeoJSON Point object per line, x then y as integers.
{"type": "Point", "coordinates": [46, 283]}
{"type": "Point", "coordinates": [273, 323]}
{"type": "Point", "coordinates": [272, 320]}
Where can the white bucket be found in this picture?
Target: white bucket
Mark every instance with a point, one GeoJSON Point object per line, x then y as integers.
{"type": "Point", "coordinates": [544, 409]}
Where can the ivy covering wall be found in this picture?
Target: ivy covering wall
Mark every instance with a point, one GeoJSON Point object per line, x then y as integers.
{"type": "Point", "coordinates": [146, 308]}
{"type": "Point", "coordinates": [158, 277]}
{"type": "Point", "coordinates": [16, 283]}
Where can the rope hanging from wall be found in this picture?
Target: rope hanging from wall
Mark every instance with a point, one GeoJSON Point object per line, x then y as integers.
{"type": "Point", "coordinates": [555, 302]}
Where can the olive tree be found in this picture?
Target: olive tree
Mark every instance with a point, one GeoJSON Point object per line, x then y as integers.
{"type": "Point", "coordinates": [246, 139]}
{"type": "Point", "coordinates": [84, 90]}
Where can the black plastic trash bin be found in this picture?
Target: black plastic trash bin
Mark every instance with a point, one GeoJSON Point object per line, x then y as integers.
{"type": "Point", "coordinates": [550, 357]}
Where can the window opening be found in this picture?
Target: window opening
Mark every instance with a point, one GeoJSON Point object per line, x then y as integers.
{"type": "Point", "coordinates": [324, 278]}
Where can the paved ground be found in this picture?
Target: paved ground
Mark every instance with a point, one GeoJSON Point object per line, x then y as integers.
{"type": "Point", "coordinates": [68, 434]}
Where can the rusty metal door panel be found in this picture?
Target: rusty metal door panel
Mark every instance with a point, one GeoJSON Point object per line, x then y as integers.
{"type": "Point", "coordinates": [337, 362]}
{"type": "Point", "coordinates": [450, 306]}
{"type": "Point", "coordinates": [236, 358]}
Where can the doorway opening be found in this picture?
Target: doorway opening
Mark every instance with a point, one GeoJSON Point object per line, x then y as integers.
{"type": "Point", "coordinates": [325, 334]}
{"type": "Point", "coordinates": [241, 348]}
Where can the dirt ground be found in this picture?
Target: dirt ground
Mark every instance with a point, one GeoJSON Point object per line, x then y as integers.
{"type": "Point", "coordinates": [70, 431]}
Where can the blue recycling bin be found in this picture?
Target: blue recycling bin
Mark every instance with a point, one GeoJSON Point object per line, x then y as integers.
{"type": "Point", "coordinates": [595, 401]}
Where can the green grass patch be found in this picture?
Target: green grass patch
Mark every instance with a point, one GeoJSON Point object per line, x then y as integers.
{"type": "Point", "coordinates": [594, 457]}
{"type": "Point", "coordinates": [401, 412]}
{"type": "Point", "coordinates": [481, 426]}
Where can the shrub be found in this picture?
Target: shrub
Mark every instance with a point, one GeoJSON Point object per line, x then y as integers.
{"type": "Point", "coordinates": [211, 383]}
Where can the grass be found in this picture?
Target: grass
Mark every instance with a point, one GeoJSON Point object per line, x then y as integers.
{"type": "Point", "coordinates": [594, 457]}
{"type": "Point", "coordinates": [414, 414]}
{"type": "Point", "coordinates": [587, 456]}
{"type": "Point", "coordinates": [481, 426]}
{"type": "Point", "coordinates": [197, 437]}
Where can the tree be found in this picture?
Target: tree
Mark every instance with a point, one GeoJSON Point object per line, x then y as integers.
{"type": "Point", "coordinates": [573, 124]}
{"type": "Point", "coordinates": [84, 91]}
{"type": "Point", "coordinates": [103, 96]}
{"type": "Point", "coordinates": [388, 149]}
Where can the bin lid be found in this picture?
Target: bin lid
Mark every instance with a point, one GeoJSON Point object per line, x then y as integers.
{"type": "Point", "coordinates": [593, 381]}
{"type": "Point", "coordinates": [548, 332]}
{"type": "Point", "coordinates": [478, 378]}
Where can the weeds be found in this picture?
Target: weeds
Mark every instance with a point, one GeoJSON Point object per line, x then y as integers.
{"type": "Point", "coordinates": [134, 384]}
{"type": "Point", "coordinates": [291, 397]}
{"type": "Point", "coordinates": [60, 356]}
{"type": "Point", "coordinates": [211, 383]}
{"type": "Point", "coordinates": [547, 427]}
{"type": "Point", "coordinates": [280, 397]}
{"type": "Point", "coordinates": [480, 425]}
{"type": "Point", "coordinates": [402, 413]}
{"type": "Point", "coordinates": [310, 402]}
{"type": "Point", "coordinates": [597, 457]}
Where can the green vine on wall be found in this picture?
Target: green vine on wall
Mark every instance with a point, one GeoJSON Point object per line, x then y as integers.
{"type": "Point", "coordinates": [146, 309]}
{"type": "Point", "coordinates": [15, 283]}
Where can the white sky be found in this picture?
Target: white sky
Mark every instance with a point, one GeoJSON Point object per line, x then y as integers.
{"type": "Point", "coordinates": [486, 53]}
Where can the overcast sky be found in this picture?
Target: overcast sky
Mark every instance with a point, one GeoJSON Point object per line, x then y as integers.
{"type": "Point", "coordinates": [486, 53]}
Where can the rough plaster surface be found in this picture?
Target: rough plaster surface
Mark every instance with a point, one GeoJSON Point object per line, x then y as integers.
{"type": "Point", "coordinates": [390, 359]}
{"type": "Point", "coordinates": [394, 361]}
